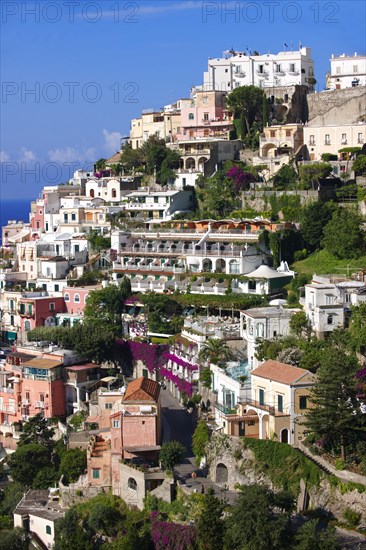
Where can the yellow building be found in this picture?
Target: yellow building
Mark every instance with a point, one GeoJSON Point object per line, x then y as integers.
{"type": "Point", "coordinates": [280, 399]}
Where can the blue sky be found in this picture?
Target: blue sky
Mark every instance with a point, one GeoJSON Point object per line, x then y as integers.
{"type": "Point", "coordinates": [95, 65]}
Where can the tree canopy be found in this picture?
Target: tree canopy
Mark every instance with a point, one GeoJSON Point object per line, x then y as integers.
{"type": "Point", "coordinates": [343, 236]}
{"type": "Point", "coordinates": [314, 218]}
{"type": "Point", "coordinates": [247, 102]}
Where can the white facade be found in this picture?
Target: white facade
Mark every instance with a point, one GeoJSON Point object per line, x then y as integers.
{"type": "Point", "coordinates": [109, 189]}
{"type": "Point", "coordinates": [229, 390]}
{"type": "Point", "coordinates": [346, 72]}
{"type": "Point", "coordinates": [330, 139]}
{"type": "Point", "coordinates": [159, 205]}
{"type": "Point", "coordinates": [265, 71]}
{"type": "Point", "coordinates": [263, 323]}
{"type": "Point", "coordinates": [326, 302]}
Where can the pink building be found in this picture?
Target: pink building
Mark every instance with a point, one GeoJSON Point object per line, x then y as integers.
{"type": "Point", "coordinates": [39, 311]}
{"type": "Point", "coordinates": [37, 220]}
{"type": "Point", "coordinates": [29, 385]}
{"type": "Point", "coordinates": [205, 115]}
{"type": "Point", "coordinates": [76, 298]}
{"type": "Point", "coordinates": [134, 431]}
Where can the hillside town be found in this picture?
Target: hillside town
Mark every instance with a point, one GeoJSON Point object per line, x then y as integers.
{"type": "Point", "coordinates": [183, 325]}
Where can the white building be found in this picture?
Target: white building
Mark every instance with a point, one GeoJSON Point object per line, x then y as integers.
{"type": "Point", "coordinates": [158, 205]}
{"type": "Point", "coordinates": [37, 513]}
{"type": "Point", "coordinates": [327, 302]}
{"type": "Point", "coordinates": [231, 385]}
{"type": "Point", "coordinates": [263, 323]}
{"type": "Point", "coordinates": [346, 71]}
{"type": "Point", "coordinates": [263, 281]}
{"type": "Point", "coordinates": [330, 139]}
{"type": "Point", "coordinates": [236, 69]}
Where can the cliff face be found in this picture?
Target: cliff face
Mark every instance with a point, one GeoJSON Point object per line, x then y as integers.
{"type": "Point", "coordinates": [337, 107]}
{"type": "Point", "coordinates": [231, 464]}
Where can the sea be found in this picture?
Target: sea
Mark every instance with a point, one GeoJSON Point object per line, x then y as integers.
{"type": "Point", "coordinates": [14, 209]}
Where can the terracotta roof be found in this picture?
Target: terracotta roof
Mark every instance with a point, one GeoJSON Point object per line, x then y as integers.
{"type": "Point", "coordinates": [279, 372]}
{"type": "Point", "coordinates": [142, 389]}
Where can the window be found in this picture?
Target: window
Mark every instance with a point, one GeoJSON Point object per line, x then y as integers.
{"type": "Point", "coordinates": [96, 473]}
{"type": "Point", "coordinates": [329, 299]}
{"type": "Point", "coordinates": [355, 68]}
{"type": "Point", "coordinates": [344, 139]}
{"type": "Point", "coordinates": [273, 133]}
{"type": "Point", "coordinates": [252, 285]}
{"type": "Point", "coordinates": [108, 405]}
{"type": "Point", "coordinates": [347, 298]}
{"type": "Point", "coordinates": [292, 67]}
{"type": "Point", "coordinates": [191, 116]}
{"type": "Point", "coordinates": [327, 139]}
{"type": "Point", "coordinates": [226, 70]}
{"type": "Point", "coordinates": [73, 216]}
{"type": "Point", "coordinates": [145, 373]}
{"type": "Point", "coordinates": [261, 69]}
{"type": "Point", "coordinates": [360, 137]}
{"type": "Point", "coordinates": [280, 403]}
{"type": "Point", "coordinates": [288, 133]}
{"type": "Point", "coordinates": [205, 100]}
{"type": "Point", "coordinates": [330, 320]}
{"type": "Point", "coordinates": [132, 484]}
{"type": "Point", "coordinates": [205, 117]}
{"type": "Point", "coordinates": [261, 397]}
{"type": "Point", "coordinates": [48, 530]}
{"type": "Point", "coordinates": [76, 298]}
{"type": "Point", "coordinates": [67, 297]}
{"type": "Point", "coordinates": [115, 424]}
{"type": "Point", "coordinates": [312, 140]}
{"type": "Point", "coordinates": [338, 70]}
{"type": "Point", "coordinates": [52, 306]}
{"type": "Point", "coordinates": [114, 193]}
{"type": "Point", "coordinates": [278, 68]}
{"type": "Point", "coordinates": [303, 402]}
{"type": "Point", "coordinates": [57, 288]}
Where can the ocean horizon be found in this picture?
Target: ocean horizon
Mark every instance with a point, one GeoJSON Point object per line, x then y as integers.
{"type": "Point", "coordinates": [14, 209]}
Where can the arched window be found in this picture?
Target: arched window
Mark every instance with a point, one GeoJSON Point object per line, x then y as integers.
{"type": "Point", "coordinates": [67, 297]}
{"type": "Point", "coordinates": [27, 325]}
{"type": "Point", "coordinates": [132, 484]}
{"type": "Point", "coordinates": [92, 193]}
{"type": "Point", "coordinates": [85, 298]}
{"type": "Point", "coordinates": [48, 530]}
{"type": "Point", "coordinates": [191, 116]}
{"type": "Point", "coordinates": [76, 298]}
{"type": "Point", "coordinates": [114, 193]}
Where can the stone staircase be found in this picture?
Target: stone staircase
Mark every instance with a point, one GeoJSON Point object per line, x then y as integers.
{"type": "Point", "coordinates": [343, 475]}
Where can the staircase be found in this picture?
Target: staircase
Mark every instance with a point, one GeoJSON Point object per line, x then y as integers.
{"type": "Point", "coordinates": [314, 458]}
{"type": "Point", "coordinates": [343, 475]}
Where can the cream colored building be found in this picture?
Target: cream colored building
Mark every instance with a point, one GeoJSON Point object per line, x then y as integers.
{"type": "Point", "coordinates": [330, 139]}
{"type": "Point", "coordinates": [164, 124]}
{"type": "Point", "coordinates": [280, 399]}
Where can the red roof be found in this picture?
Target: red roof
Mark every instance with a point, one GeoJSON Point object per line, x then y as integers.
{"type": "Point", "coordinates": [279, 372]}
{"type": "Point", "coordinates": [85, 366]}
{"type": "Point", "coordinates": [142, 389]}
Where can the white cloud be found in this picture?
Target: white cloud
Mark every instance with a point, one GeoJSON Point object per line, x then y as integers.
{"type": "Point", "coordinates": [4, 157]}
{"type": "Point", "coordinates": [26, 155]}
{"type": "Point", "coordinates": [112, 141]}
{"type": "Point", "coordinates": [72, 154]}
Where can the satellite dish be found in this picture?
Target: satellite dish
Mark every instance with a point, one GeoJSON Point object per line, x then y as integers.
{"type": "Point", "coordinates": [277, 302]}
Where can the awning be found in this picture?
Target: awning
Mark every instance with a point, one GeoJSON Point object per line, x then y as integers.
{"type": "Point", "coordinates": [145, 449]}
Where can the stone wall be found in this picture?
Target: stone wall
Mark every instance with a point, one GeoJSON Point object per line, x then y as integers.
{"type": "Point", "coordinates": [346, 106]}
{"type": "Point", "coordinates": [225, 451]}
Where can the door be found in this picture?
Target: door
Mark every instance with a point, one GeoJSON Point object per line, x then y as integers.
{"type": "Point", "coordinates": [284, 436]}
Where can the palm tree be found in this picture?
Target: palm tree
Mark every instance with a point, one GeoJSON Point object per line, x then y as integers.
{"type": "Point", "coordinates": [216, 351]}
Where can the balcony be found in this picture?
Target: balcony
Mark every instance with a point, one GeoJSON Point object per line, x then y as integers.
{"type": "Point", "coordinates": [223, 409]}
{"type": "Point", "coordinates": [240, 74]}
{"type": "Point", "coordinates": [279, 72]}
{"type": "Point", "coordinates": [7, 390]}
{"type": "Point", "coordinates": [27, 314]}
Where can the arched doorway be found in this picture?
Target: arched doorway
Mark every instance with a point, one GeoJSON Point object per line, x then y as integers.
{"type": "Point", "coordinates": [222, 473]}
{"type": "Point", "coordinates": [190, 164]}
{"type": "Point", "coordinates": [207, 265]}
{"type": "Point", "coordinates": [284, 435]}
{"type": "Point", "coordinates": [220, 266]}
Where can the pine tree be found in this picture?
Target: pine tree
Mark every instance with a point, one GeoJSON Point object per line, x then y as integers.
{"type": "Point", "coordinates": [336, 412]}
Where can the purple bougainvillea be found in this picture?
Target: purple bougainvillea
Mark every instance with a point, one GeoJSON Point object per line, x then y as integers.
{"type": "Point", "coordinates": [155, 357]}
{"type": "Point", "coordinates": [172, 536]}
{"type": "Point", "coordinates": [241, 179]}
{"type": "Point", "coordinates": [361, 384]}
{"type": "Point", "coordinates": [180, 362]}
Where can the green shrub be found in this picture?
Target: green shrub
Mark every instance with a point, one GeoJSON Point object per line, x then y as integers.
{"type": "Point", "coordinates": [339, 464]}
{"type": "Point", "coordinates": [352, 517]}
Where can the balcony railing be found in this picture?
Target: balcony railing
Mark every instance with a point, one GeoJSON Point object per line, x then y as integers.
{"type": "Point", "coordinates": [223, 409]}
